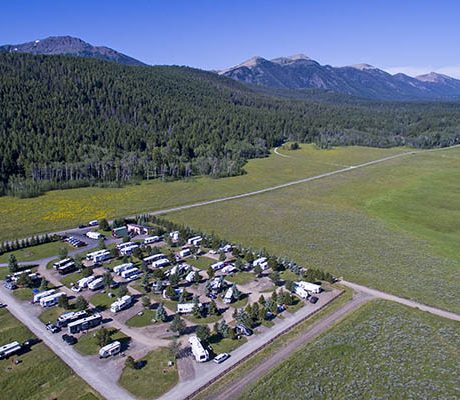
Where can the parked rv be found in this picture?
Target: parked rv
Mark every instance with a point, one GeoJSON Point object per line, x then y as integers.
{"type": "Point", "coordinates": [110, 350]}
{"type": "Point", "coordinates": [96, 284]}
{"type": "Point", "coordinates": [51, 300]}
{"type": "Point", "coordinates": [85, 323]}
{"type": "Point", "coordinates": [200, 353]}
{"type": "Point", "coordinates": [151, 239]}
{"type": "Point", "coordinates": [9, 349]}
{"type": "Point", "coordinates": [41, 295]}
{"type": "Point", "coordinates": [121, 304]}
{"type": "Point", "coordinates": [94, 235]}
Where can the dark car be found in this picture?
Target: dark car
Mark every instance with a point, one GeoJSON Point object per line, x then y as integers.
{"type": "Point", "coordinates": [53, 328]}
{"type": "Point", "coordinates": [81, 226]}
{"type": "Point", "coordinates": [114, 285]}
{"type": "Point", "coordinates": [313, 299]}
{"type": "Point", "coordinates": [10, 285]}
{"type": "Point", "coordinates": [69, 339]}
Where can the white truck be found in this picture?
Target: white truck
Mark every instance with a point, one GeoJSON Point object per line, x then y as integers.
{"type": "Point", "coordinates": [110, 350]}
{"type": "Point", "coordinates": [121, 304]}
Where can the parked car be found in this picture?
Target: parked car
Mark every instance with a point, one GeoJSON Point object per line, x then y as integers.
{"type": "Point", "coordinates": [313, 299]}
{"type": "Point", "coordinates": [114, 285]}
{"type": "Point", "coordinates": [53, 328]}
{"type": "Point", "coordinates": [10, 285]}
{"type": "Point", "coordinates": [69, 339]}
{"type": "Point", "coordinates": [76, 289]}
{"type": "Point", "coordinates": [2, 305]}
{"type": "Point", "coordinates": [220, 358]}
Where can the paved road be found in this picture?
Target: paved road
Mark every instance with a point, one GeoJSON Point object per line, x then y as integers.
{"type": "Point", "coordinates": [235, 388]}
{"type": "Point", "coordinates": [98, 378]}
{"type": "Point", "coordinates": [406, 302]}
{"type": "Point", "coordinates": [206, 372]}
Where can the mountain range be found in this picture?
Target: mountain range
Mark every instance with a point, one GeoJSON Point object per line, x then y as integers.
{"type": "Point", "coordinates": [291, 74]}
{"type": "Point", "coordinates": [361, 80]}
{"type": "Point", "coordinates": [68, 45]}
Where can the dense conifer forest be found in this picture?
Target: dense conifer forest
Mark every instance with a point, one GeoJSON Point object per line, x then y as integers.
{"type": "Point", "coordinates": [68, 122]}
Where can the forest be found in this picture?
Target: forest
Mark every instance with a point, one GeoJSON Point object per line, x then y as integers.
{"type": "Point", "coordinates": [69, 122]}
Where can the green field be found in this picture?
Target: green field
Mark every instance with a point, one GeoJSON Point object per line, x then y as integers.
{"type": "Point", "coordinates": [201, 262]}
{"type": "Point", "coordinates": [87, 343]}
{"type": "Point", "coordinates": [394, 226]}
{"type": "Point", "coordinates": [36, 252]}
{"type": "Point", "coordinates": [227, 345]}
{"type": "Point", "coordinates": [241, 278]}
{"type": "Point", "coordinates": [140, 321]}
{"type": "Point", "coordinates": [57, 210]}
{"type": "Point", "coordinates": [153, 379]}
{"type": "Point", "coordinates": [383, 350]}
{"type": "Point", "coordinates": [41, 374]}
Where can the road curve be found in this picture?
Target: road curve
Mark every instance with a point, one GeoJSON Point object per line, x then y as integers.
{"type": "Point", "coordinates": [236, 387]}
{"type": "Point", "coordinates": [406, 302]}
{"type": "Point", "coordinates": [98, 378]}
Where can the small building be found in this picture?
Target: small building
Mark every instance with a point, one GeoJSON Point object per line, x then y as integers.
{"type": "Point", "coordinates": [120, 232]}
{"type": "Point", "coordinates": [135, 229]}
{"type": "Point", "coordinates": [199, 352]}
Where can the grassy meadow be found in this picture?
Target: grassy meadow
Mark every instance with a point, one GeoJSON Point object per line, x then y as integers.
{"type": "Point", "coordinates": [382, 351]}
{"type": "Point", "coordinates": [40, 374]}
{"type": "Point", "coordinates": [63, 209]}
{"type": "Point", "coordinates": [394, 226]}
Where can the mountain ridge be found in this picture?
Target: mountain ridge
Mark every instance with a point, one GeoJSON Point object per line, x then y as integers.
{"type": "Point", "coordinates": [69, 45]}
{"type": "Point", "coordinates": [362, 80]}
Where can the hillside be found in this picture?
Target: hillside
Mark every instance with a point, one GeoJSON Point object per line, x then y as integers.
{"type": "Point", "coordinates": [68, 45]}
{"type": "Point", "coordinates": [67, 122]}
{"type": "Point", "coordinates": [362, 80]}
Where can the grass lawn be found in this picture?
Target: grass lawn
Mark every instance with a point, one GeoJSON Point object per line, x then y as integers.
{"type": "Point", "coordinates": [210, 319]}
{"type": "Point", "coordinates": [60, 209]}
{"type": "Point", "coordinates": [296, 306]}
{"type": "Point", "coordinates": [393, 226]}
{"type": "Point", "coordinates": [51, 314]}
{"type": "Point", "coordinates": [288, 275]}
{"type": "Point", "coordinates": [201, 262]}
{"type": "Point", "coordinates": [140, 321]}
{"type": "Point", "coordinates": [102, 300]}
{"type": "Point", "coordinates": [241, 278]}
{"type": "Point", "coordinates": [41, 374]}
{"type": "Point", "coordinates": [87, 344]}
{"type": "Point", "coordinates": [383, 350]}
{"type": "Point", "coordinates": [23, 293]}
{"type": "Point", "coordinates": [240, 303]}
{"type": "Point", "coordinates": [67, 280]}
{"type": "Point", "coordinates": [153, 379]}
{"type": "Point", "coordinates": [169, 304]}
{"type": "Point", "coordinates": [36, 252]}
{"type": "Point", "coordinates": [227, 345]}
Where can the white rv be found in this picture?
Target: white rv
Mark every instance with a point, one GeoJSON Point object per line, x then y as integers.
{"type": "Point", "coordinates": [9, 349]}
{"type": "Point", "coordinates": [228, 269]}
{"type": "Point", "coordinates": [41, 295]}
{"type": "Point", "coordinates": [62, 263]}
{"type": "Point", "coordinates": [200, 353]}
{"type": "Point", "coordinates": [261, 262]}
{"type": "Point", "coordinates": [121, 304]}
{"type": "Point", "coordinates": [185, 253]}
{"type": "Point", "coordinates": [51, 300]}
{"type": "Point", "coordinates": [228, 298]}
{"type": "Point", "coordinates": [218, 265]}
{"type": "Point", "coordinates": [195, 241]}
{"type": "Point", "coordinates": [151, 239]}
{"type": "Point", "coordinates": [110, 350]}
{"type": "Point", "coordinates": [301, 292]}
{"type": "Point", "coordinates": [127, 273]}
{"type": "Point", "coordinates": [98, 256]}
{"type": "Point", "coordinates": [174, 236]}
{"type": "Point", "coordinates": [309, 287]}
{"type": "Point", "coordinates": [93, 235]}
{"type": "Point", "coordinates": [190, 277]}
{"type": "Point", "coordinates": [96, 284]}
{"type": "Point", "coordinates": [123, 267]}
{"type": "Point", "coordinates": [68, 317]}
{"type": "Point", "coordinates": [84, 282]}
{"type": "Point", "coordinates": [186, 308]}
{"type": "Point", "coordinates": [85, 323]}
{"type": "Point", "coordinates": [128, 250]}
{"type": "Point", "coordinates": [162, 262]}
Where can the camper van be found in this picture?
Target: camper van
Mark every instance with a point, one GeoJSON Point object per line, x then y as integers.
{"type": "Point", "coordinates": [186, 308]}
{"type": "Point", "coordinates": [68, 317]}
{"type": "Point", "coordinates": [93, 235]}
{"type": "Point", "coordinates": [51, 300]}
{"type": "Point", "coordinates": [9, 349]}
{"type": "Point", "coordinates": [123, 267]}
{"type": "Point", "coordinates": [200, 353]}
{"type": "Point", "coordinates": [151, 239]}
{"type": "Point", "coordinates": [41, 295]}
{"type": "Point", "coordinates": [121, 304]}
{"type": "Point", "coordinates": [85, 323]}
{"type": "Point", "coordinates": [110, 350]}
{"type": "Point", "coordinates": [96, 284]}
{"type": "Point", "coordinates": [128, 273]}
{"type": "Point", "coordinates": [84, 282]}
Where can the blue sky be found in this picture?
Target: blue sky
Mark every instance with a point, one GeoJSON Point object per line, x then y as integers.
{"type": "Point", "coordinates": [409, 36]}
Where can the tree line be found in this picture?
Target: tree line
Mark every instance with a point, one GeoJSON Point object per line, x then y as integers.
{"type": "Point", "coordinates": [68, 122]}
